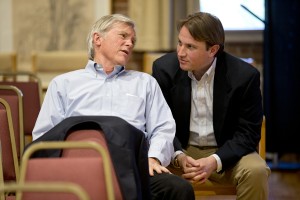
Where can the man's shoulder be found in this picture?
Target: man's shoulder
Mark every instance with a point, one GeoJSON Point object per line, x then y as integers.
{"type": "Point", "coordinates": [236, 69]}
{"type": "Point", "coordinates": [69, 76]}
{"type": "Point", "coordinates": [237, 64]}
{"type": "Point", "coordinates": [168, 58]}
{"type": "Point", "coordinates": [168, 64]}
{"type": "Point", "coordinates": [70, 73]}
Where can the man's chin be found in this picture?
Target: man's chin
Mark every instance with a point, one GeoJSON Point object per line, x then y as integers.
{"type": "Point", "coordinates": [122, 62]}
{"type": "Point", "coordinates": [184, 67]}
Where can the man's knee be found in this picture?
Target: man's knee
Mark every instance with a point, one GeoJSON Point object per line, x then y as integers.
{"type": "Point", "coordinates": [256, 169]}
{"type": "Point", "coordinates": [180, 183]}
{"type": "Point", "coordinates": [170, 186]}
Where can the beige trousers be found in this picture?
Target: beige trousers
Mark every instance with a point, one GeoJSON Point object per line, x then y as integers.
{"type": "Point", "coordinates": [249, 175]}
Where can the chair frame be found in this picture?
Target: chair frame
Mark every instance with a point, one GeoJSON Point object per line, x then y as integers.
{"type": "Point", "coordinates": [44, 187]}
{"type": "Point", "coordinates": [2, 196]}
{"type": "Point", "coordinates": [67, 145]}
{"type": "Point", "coordinates": [12, 145]}
{"type": "Point", "coordinates": [12, 140]}
{"type": "Point", "coordinates": [20, 110]}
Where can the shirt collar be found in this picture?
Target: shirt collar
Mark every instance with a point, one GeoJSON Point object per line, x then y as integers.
{"type": "Point", "coordinates": [98, 68]}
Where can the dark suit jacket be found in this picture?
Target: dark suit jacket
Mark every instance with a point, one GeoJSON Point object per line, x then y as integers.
{"type": "Point", "coordinates": [127, 146]}
{"type": "Point", "coordinates": [237, 104]}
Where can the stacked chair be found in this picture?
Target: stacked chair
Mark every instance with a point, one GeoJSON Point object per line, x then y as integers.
{"type": "Point", "coordinates": [9, 162]}
{"type": "Point", "coordinates": [12, 123]}
{"type": "Point", "coordinates": [20, 103]}
{"type": "Point", "coordinates": [30, 87]}
{"type": "Point", "coordinates": [48, 64]}
{"type": "Point", "coordinates": [9, 170]}
{"type": "Point", "coordinates": [92, 173]}
{"type": "Point", "coordinates": [97, 136]}
{"type": "Point", "coordinates": [84, 169]}
{"type": "Point", "coordinates": [8, 62]}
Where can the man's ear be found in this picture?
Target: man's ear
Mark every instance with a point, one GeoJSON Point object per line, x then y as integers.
{"type": "Point", "coordinates": [214, 49]}
{"type": "Point", "coordinates": [97, 39]}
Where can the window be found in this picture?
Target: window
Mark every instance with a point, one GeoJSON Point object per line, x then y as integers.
{"type": "Point", "coordinates": [241, 19]}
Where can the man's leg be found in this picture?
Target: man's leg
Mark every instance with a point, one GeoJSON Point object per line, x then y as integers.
{"type": "Point", "coordinates": [249, 175]}
{"type": "Point", "coordinates": [169, 186]}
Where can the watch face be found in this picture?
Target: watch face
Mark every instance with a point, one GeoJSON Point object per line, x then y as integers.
{"type": "Point", "coordinates": [176, 163]}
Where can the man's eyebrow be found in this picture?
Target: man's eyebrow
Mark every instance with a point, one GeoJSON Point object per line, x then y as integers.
{"type": "Point", "coordinates": [121, 32]}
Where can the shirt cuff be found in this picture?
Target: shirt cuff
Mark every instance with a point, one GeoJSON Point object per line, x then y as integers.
{"type": "Point", "coordinates": [219, 163]}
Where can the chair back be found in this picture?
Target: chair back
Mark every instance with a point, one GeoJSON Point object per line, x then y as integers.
{"type": "Point", "coordinates": [48, 64]}
{"type": "Point", "coordinates": [8, 152]}
{"type": "Point", "coordinates": [148, 59]}
{"type": "Point", "coordinates": [93, 174]}
{"type": "Point", "coordinates": [262, 142]}
{"type": "Point", "coordinates": [30, 85]}
{"type": "Point", "coordinates": [95, 135]}
{"type": "Point", "coordinates": [14, 97]}
{"type": "Point", "coordinates": [8, 62]}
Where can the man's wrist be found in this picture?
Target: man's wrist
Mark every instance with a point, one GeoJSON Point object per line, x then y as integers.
{"type": "Point", "coordinates": [176, 154]}
{"type": "Point", "coordinates": [219, 163]}
{"type": "Point", "coordinates": [175, 161]}
{"type": "Point", "coordinates": [156, 159]}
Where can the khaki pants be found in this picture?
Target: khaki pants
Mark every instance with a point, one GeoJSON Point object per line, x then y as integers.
{"type": "Point", "coordinates": [249, 175]}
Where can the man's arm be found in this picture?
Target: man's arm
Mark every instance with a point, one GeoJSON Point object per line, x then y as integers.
{"type": "Point", "coordinates": [50, 113]}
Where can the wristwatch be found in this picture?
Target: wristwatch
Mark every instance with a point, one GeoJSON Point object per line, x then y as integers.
{"type": "Point", "coordinates": [176, 163]}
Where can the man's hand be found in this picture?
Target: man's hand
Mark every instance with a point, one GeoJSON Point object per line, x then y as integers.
{"type": "Point", "coordinates": [154, 165]}
{"type": "Point", "coordinates": [197, 170]}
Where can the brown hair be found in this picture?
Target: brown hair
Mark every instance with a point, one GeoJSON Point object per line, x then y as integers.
{"type": "Point", "coordinates": [204, 27]}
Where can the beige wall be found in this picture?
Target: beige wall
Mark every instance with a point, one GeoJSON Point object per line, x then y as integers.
{"type": "Point", "coordinates": [6, 34]}
{"type": "Point", "coordinates": [32, 25]}
{"type": "Point", "coordinates": [40, 25]}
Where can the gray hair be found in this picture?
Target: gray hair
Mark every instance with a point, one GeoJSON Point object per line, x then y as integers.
{"type": "Point", "coordinates": [102, 26]}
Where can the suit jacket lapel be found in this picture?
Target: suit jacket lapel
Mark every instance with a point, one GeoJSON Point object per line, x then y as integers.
{"type": "Point", "coordinates": [182, 94]}
{"type": "Point", "coordinates": [221, 97]}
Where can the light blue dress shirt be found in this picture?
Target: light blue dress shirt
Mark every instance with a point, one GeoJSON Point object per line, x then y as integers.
{"type": "Point", "coordinates": [134, 96]}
